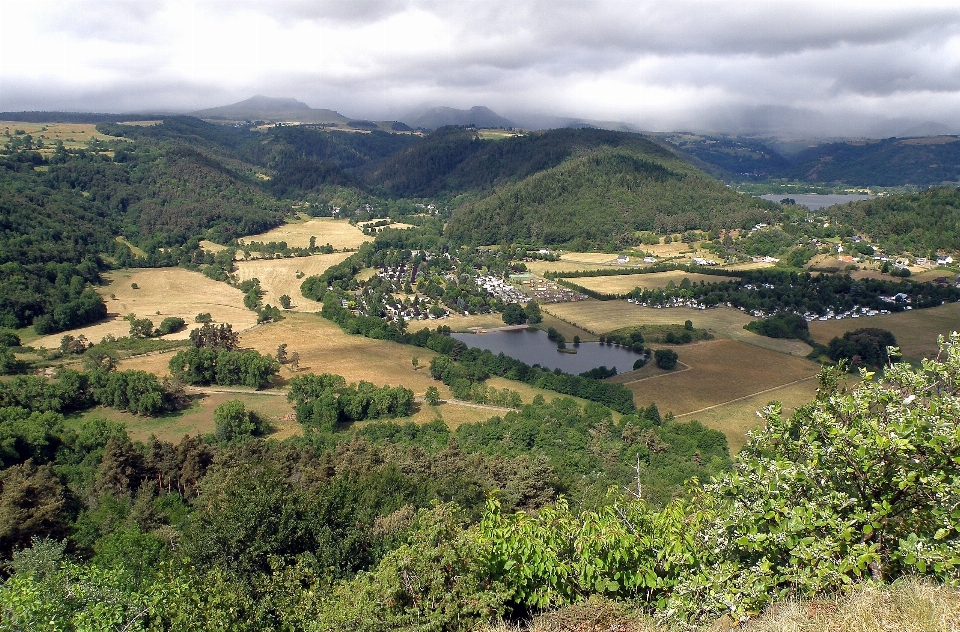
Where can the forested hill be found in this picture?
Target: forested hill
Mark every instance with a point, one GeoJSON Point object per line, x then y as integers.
{"type": "Point", "coordinates": [890, 162]}
{"type": "Point", "coordinates": [921, 223]}
{"type": "Point", "coordinates": [600, 196]}
{"type": "Point", "coordinates": [454, 160]}
{"type": "Point", "coordinates": [62, 209]}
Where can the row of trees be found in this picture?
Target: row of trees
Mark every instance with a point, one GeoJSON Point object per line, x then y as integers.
{"type": "Point", "coordinates": [326, 400]}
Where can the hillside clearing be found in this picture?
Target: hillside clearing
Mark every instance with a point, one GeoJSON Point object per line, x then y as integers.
{"type": "Point", "coordinates": [337, 232]}
{"type": "Point", "coordinates": [279, 276]}
{"type": "Point", "coordinates": [604, 316]}
{"type": "Point", "coordinates": [624, 283]}
{"type": "Point", "coordinates": [161, 292]}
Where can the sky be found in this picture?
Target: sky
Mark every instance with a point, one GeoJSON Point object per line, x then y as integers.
{"type": "Point", "coordinates": [794, 67]}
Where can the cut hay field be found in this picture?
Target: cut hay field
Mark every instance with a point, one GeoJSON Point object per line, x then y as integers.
{"type": "Point", "coordinates": [624, 283]}
{"type": "Point", "coordinates": [603, 316]}
{"type": "Point", "coordinates": [162, 292]}
{"type": "Point", "coordinates": [738, 417]}
{"type": "Point", "coordinates": [336, 232]}
{"type": "Point", "coordinates": [915, 330]}
{"type": "Point", "coordinates": [542, 267]}
{"type": "Point", "coordinates": [720, 371]}
{"type": "Point", "coordinates": [921, 275]}
{"type": "Point", "coordinates": [72, 135]}
{"type": "Point", "coordinates": [279, 276]}
{"type": "Point", "coordinates": [747, 265]}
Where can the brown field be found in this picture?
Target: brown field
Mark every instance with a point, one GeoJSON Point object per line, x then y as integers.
{"type": "Point", "coordinates": [668, 250]}
{"type": "Point", "coordinates": [541, 267]}
{"type": "Point", "coordinates": [720, 371]}
{"type": "Point", "coordinates": [915, 330]}
{"type": "Point", "coordinates": [748, 265]}
{"type": "Point", "coordinates": [623, 283]}
{"type": "Point", "coordinates": [736, 418]}
{"type": "Point", "coordinates": [279, 276]}
{"type": "Point", "coordinates": [603, 316]}
{"type": "Point", "coordinates": [162, 292]}
{"type": "Point", "coordinates": [73, 135]}
{"type": "Point", "coordinates": [595, 258]}
{"type": "Point", "coordinates": [206, 244]}
{"type": "Point", "coordinates": [336, 232]}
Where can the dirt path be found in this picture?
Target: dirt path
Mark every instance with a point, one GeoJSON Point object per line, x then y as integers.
{"type": "Point", "coordinates": [456, 402]}
{"type": "Point", "coordinates": [209, 390]}
{"type": "Point", "coordinates": [739, 399]}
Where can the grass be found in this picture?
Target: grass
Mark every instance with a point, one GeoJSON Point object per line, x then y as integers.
{"type": "Point", "coordinates": [279, 276]}
{"type": "Point", "coordinates": [601, 317]}
{"type": "Point", "coordinates": [915, 330]}
{"type": "Point", "coordinates": [161, 292]}
{"type": "Point", "coordinates": [721, 371]}
{"type": "Point", "coordinates": [72, 135]}
{"type": "Point", "coordinates": [621, 284]}
{"type": "Point", "coordinates": [198, 418]}
{"type": "Point", "coordinates": [910, 605]}
{"type": "Point", "coordinates": [738, 417]}
{"type": "Point", "coordinates": [336, 232]}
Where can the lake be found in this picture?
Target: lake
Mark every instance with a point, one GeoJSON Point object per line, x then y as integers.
{"type": "Point", "coordinates": [532, 346]}
{"type": "Point", "coordinates": [814, 201]}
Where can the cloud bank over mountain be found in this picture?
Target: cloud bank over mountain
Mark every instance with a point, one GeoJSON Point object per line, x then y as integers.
{"type": "Point", "coordinates": [792, 66]}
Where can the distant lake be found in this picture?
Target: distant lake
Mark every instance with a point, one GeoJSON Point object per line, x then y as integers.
{"type": "Point", "coordinates": [532, 346]}
{"type": "Point", "coordinates": [815, 202]}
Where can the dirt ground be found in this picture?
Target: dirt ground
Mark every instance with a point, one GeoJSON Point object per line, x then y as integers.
{"type": "Point", "coordinates": [161, 292]}
{"type": "Point", "coordinates": [279, 276]}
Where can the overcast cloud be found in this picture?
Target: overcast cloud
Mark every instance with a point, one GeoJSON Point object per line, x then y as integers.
{"type": "Point", "coordinates": [825, 68]}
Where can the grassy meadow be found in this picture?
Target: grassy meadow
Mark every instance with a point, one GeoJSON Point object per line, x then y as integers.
{"type": "Point", "coordinates": [720, 371]}
{"type": "Point", "coordinates": [72, 135]}
{"type": "Point", "coordinates": [284, 276]}
{"type": "Point", "coordinates": [624, 283]}
{"type": "Point", "coordinates": [297, 233]}
{"type": "Point", "coordinates": [161, 292]}
{"type": "Point", "coordinates": [916, 330]}
{"type": "Point", "coordinates": [601, 317]}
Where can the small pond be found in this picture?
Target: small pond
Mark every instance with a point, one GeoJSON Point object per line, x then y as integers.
{"type": "Point", "coordinates": [532, 346]}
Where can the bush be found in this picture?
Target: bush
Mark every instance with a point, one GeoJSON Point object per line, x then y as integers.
{"type": "Point", "coordinates": [666, 359]}
{"type": "Point", "coordinates": [234, 421]}
{"type": "Point", "coordinates": [171, 324]}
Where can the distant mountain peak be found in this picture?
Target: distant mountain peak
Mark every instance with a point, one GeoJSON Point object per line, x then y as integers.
{"type": "Point", "coordinates": [478, 115]}
{"type": "Point", "coordinates": [261, 101]}
{"type": "Point", "coordinates": [273, 109]}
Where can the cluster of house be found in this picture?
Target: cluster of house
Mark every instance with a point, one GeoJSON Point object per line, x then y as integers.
{"type": "Point", "coordinates": [856, 312]}
{"type": "Point", "coordinates": [396, 310]}
{"type": "Point", "coordinates": [498, 288]}
{"type": "Point", "coordinates": [544, 291]}
{"type": "Point", "coordinates": [399, 274]}
{"type": "Point", "coordinates": [700, 261]}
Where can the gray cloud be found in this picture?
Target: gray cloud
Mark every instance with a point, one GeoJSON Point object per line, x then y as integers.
{"type": "Point", "coordinates": [823, 67]}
